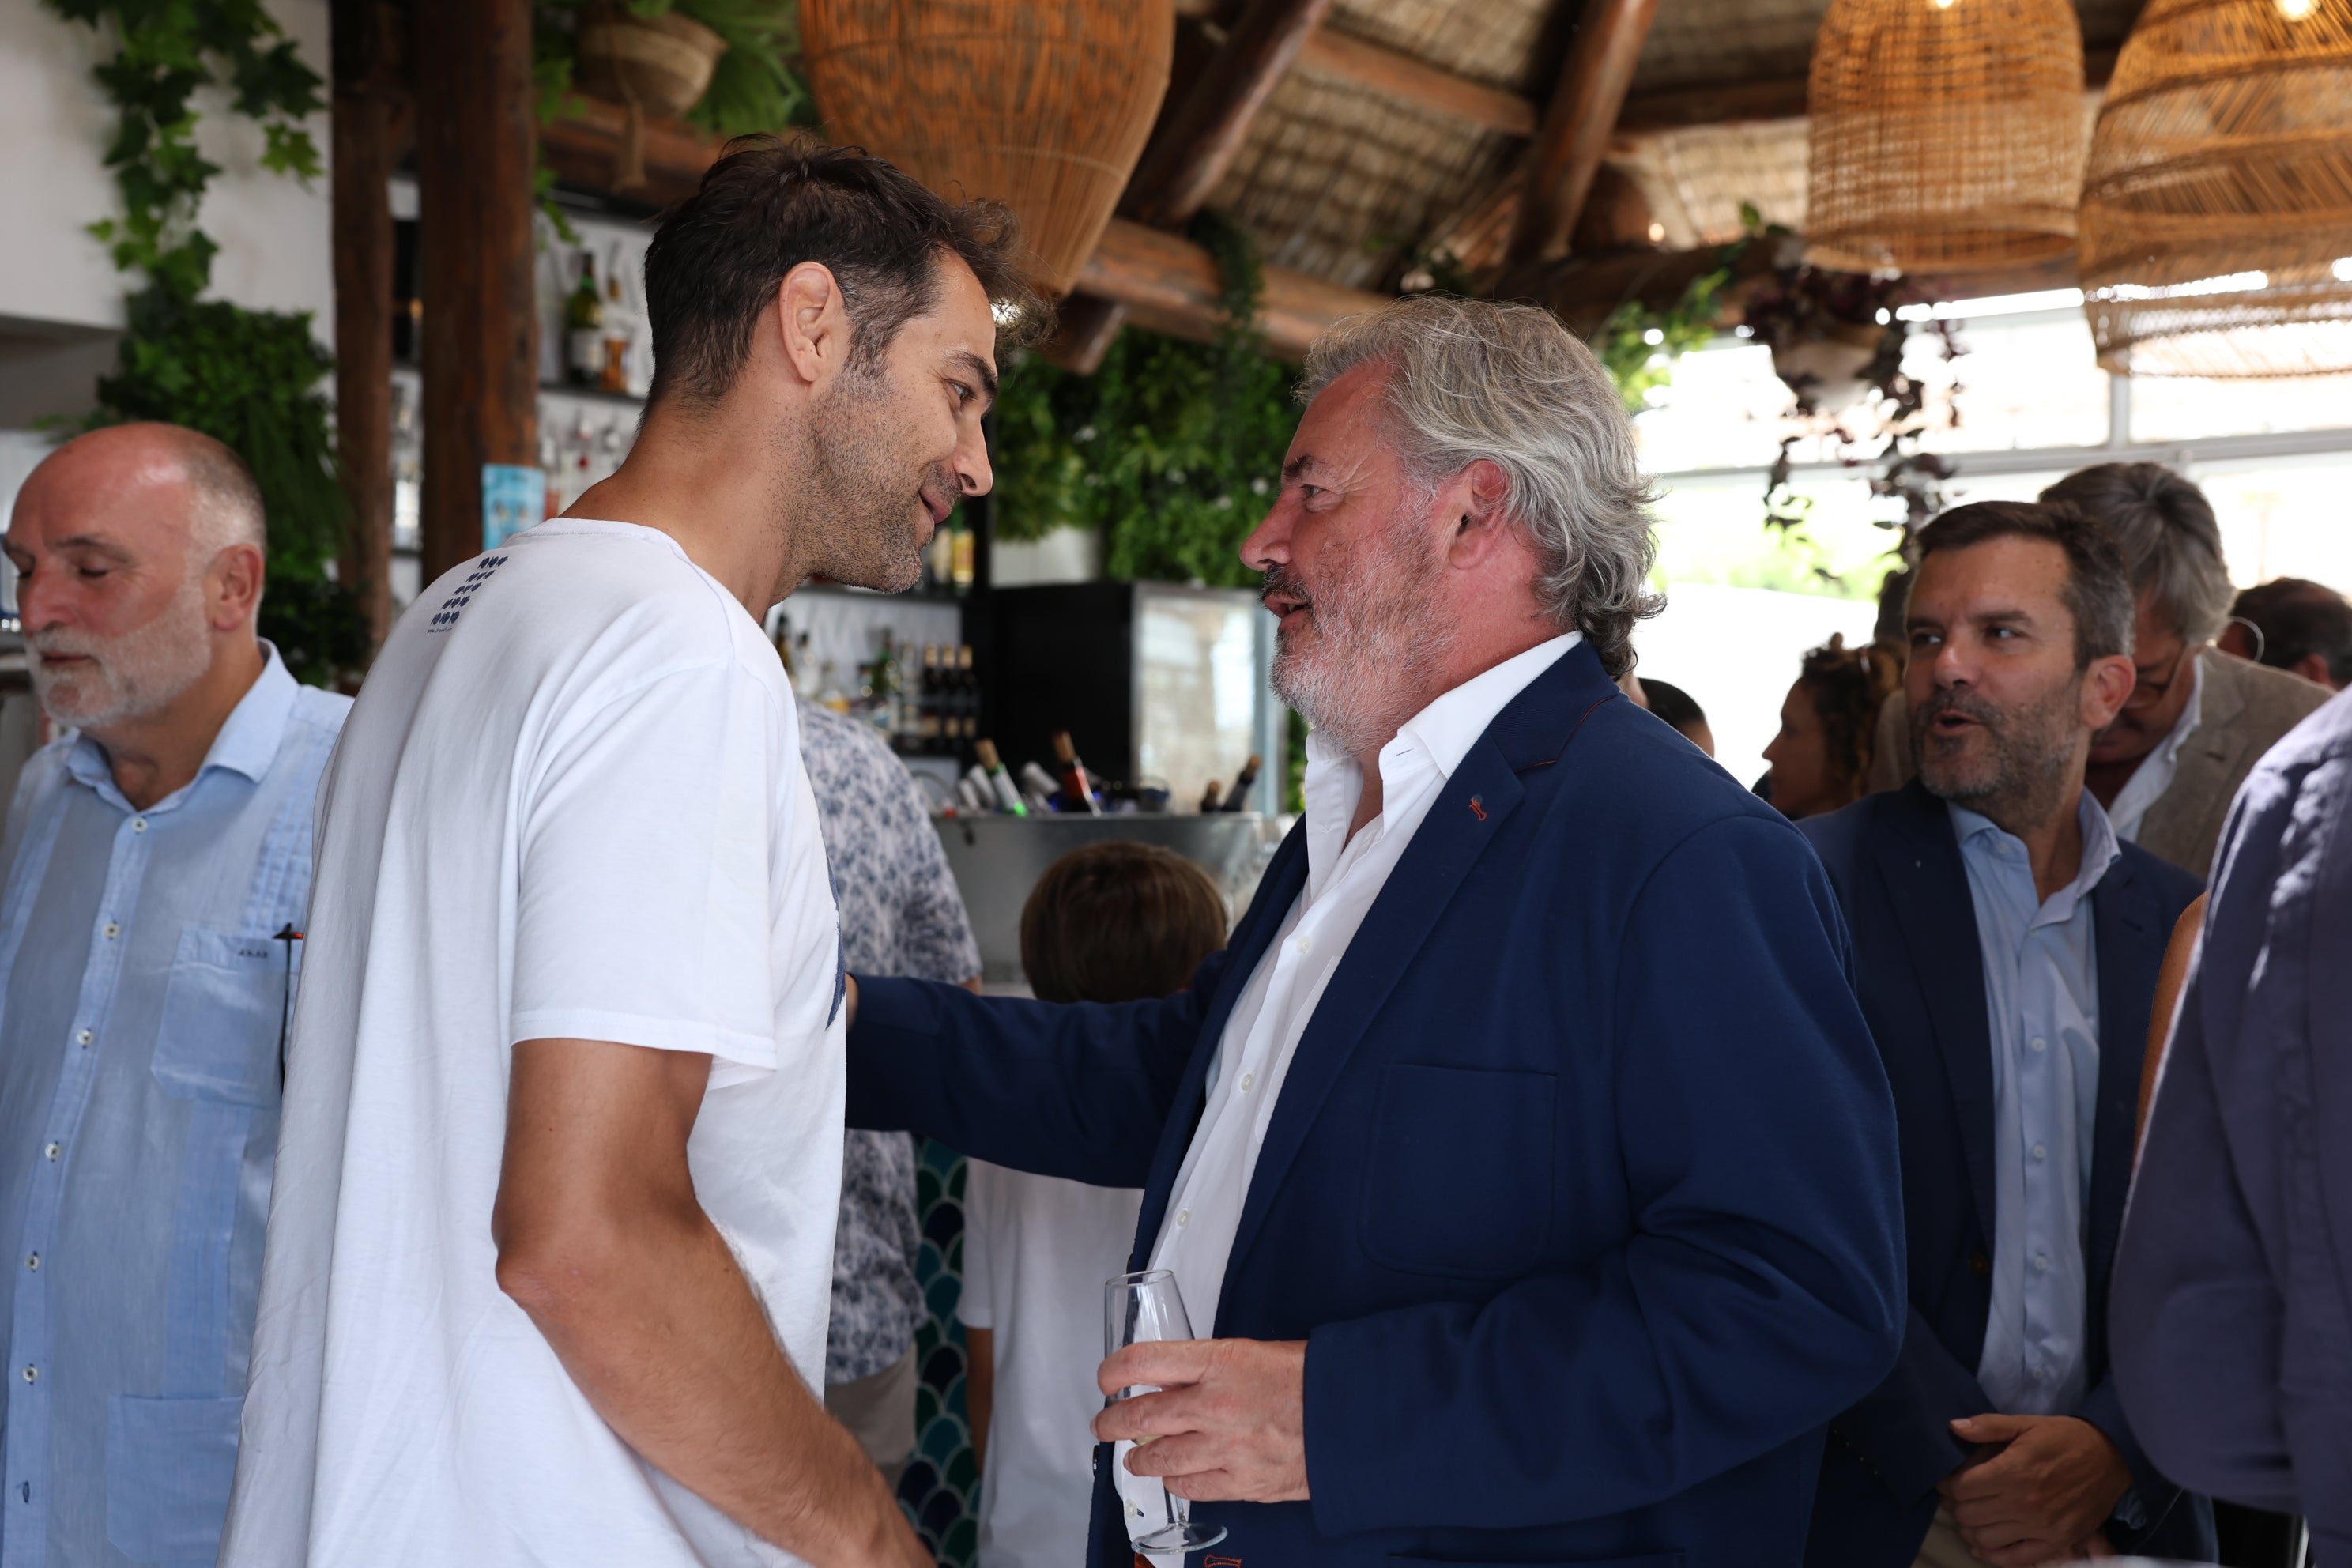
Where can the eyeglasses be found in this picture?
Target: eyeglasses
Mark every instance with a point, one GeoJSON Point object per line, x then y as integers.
{"type": "Point", "coordinates": [2151, 693]}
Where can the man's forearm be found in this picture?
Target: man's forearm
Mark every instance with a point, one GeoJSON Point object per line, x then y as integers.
{"type": "Point", "coordinates": [661, 1330]}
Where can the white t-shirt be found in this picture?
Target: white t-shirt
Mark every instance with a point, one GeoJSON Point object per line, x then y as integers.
{"type": "Point", "coordinates": [1036, 1253]}
{"type": "Point", "coordinates": [568, 803]}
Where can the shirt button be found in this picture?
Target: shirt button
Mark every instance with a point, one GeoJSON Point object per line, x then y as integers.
{"type": "Point", "coordinates": [2041, 1152]}
{"type": "Point", "coordinates": [1304, 943]}
{"type": "Point", "coordinates": [2041, 1263]}
{"type": "Point", "coordinates": [84, 1037]}
{"type": "Point", "coordinates": [32, 1375]}
{"type": "Point", "coordinates": [2040, 1044]}
{"type": "Point", "coordinates": [1183, 1216]}
{"type": "Point", "coordinates": [54, 1150]}
{"type": "Point", "coordinates": [137, 825]}
{"type": "Point", "coordinates": [113, 929]}
{"type": "Point", "coordinates": [33, 1263]}
{"type": "Point", "coordinates": [1249, 1081]}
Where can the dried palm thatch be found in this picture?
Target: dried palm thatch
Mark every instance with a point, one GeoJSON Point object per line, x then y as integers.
{"type": "Point", "coordinates": [1043, 105]}
{"type": "Point", "coordinates": [2217, 214]}
{"type": "Point", "coordinates": [1946, 134]}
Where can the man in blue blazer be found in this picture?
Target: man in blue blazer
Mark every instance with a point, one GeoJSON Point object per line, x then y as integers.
{"type": "Point", "coordinates": [1526, 1154]}
{"type": "Point", "coordinates": [2008, 947]}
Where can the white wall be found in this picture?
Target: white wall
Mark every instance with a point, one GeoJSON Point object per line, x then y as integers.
{"type": "Point", "coordinates": [275, 234]}
{"type": "Point", "coordinates": [1736, 651]}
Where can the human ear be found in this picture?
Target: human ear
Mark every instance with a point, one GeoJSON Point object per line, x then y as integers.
{"type": "Point", "coordinates": [813, 323]}
{"type": "Point", "coordinates": [2106, 686]}
{"type": "Point", "coordinates": [1474, 501]}
{"type": "Point", "coordinates": [233, 586]}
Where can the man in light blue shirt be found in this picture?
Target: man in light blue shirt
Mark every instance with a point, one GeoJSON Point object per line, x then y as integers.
{"type": "Point", "coordinates": [157, 868]}
{"type": "Point", "coordinates": [2006, 950]}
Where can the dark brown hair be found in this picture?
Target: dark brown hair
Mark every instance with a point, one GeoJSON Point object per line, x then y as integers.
{"type": "Point", "coordinates": [1119, 922]}
{"type": "Point", "coordinates": [1847, 685]}
{"type": "Point", "coordinates": [2097, 591]}
{"type": "Point", "coordinates": [768, 205]}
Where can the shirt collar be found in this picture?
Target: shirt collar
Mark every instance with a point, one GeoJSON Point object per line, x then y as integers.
{"type": "Point", "coordinates": [1981, 838]}
{"type": "Point", "coordinates": [248, 742]}
{"type": "Point", "coordinates": [1446, 729]}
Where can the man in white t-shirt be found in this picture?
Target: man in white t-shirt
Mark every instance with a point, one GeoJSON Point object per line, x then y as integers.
{"type": "Point", "coordinates": [549, 1259]}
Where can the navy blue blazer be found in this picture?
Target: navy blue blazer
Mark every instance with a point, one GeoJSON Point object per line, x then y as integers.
{"type": "Point", "coordinates": [1895, 862]}
{"type": "Point", "coordinates": [1581, 1187]}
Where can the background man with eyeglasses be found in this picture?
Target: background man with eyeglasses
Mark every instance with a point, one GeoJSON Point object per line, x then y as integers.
{"type": "Point", "coordinates": [2196, 723]}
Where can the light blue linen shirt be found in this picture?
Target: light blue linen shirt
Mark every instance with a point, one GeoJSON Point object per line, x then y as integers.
{"type": "Point", "coordinates": [2041, 1000]}
{"type": "Point", "coordinates": [140, 1033]}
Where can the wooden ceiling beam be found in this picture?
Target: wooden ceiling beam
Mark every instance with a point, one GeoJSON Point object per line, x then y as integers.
{"type": "Point", "coordinates": [1409, 79]}
{"type": "Point", "coordinates": [1576, 125]}
{"type": "Point", "coordinates": [1182, 167]}
{"type": "Point", "coordinates": [1170, 285]}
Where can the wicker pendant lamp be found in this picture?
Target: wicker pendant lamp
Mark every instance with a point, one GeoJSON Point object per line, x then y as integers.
{"type": "Point", "coordinates": [1043, 105]}
{"type": "Point", "coordinates": [1946, 134]}
{"type": "Point", "coordinates": [2217, 213]}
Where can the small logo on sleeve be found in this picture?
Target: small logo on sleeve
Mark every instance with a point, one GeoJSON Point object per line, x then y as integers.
{"type": "Point", "coordinates": [463, 594]}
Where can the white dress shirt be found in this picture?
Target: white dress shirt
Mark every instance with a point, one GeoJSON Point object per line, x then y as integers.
{"type": "Point", "coordinates": [1344, 877]}
{"type": "Point", "coordinates": [2154, 775]}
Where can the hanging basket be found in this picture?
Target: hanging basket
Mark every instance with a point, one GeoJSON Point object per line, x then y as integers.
{"type": "Point", "coordinates": [1946, 134]}
{"type": "Point", "coordinates": [1043, 105]}
{"type": "Point", "coordinates": [657, 66]}
{"type": "Point", "coordinates": [2217, 213]}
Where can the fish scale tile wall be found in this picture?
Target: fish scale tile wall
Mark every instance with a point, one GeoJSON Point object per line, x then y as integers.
{"type": "Point", "coordinates": [941, 1490]}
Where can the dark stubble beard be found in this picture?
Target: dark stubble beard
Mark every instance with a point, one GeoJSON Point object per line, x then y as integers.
{"type": "Point", "coordinates": [857, 494]}
{"type": "Point", "coordinates": [1370, 657]}
{"type": "Point", "coordinates": [2020, 780]}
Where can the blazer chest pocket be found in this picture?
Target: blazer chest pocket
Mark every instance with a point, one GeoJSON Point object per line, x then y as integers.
{"type": "Point", "coordinates": [1461, 1175]}
{"type": "Point", "coordinates": [222, 1012]}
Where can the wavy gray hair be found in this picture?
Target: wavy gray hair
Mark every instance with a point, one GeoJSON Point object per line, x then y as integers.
{"type": "Point", "coordinates": [1472, 381]}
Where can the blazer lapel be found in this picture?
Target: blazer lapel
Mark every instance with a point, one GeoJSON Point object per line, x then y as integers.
{"type": "Point", "coordinates": [1533, 731]}
{"type": "Point", "coordinates": [1927, 886]}
{"type": "Point", "coordinates": [2128, 938]}
{"type": "Point", "coordinates": [1285, 875]}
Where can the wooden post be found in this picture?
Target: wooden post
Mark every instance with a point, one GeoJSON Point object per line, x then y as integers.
{"type": "Point", "coordinates": [1576, 125]}
{"type": "Point", "coordinates": [363, 157]}
{"type": "Point", "coordinates": [475, 140]}
{"type": "Point", "coordinates": [1198, 143]}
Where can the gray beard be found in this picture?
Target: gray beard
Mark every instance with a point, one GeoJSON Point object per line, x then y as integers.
{"type": "Point", "coordinates": [2028, 759]}
{"type": "Point", "coordinates": [132, 676]}
{"type": "Point", "coordinates": [1376, 645]}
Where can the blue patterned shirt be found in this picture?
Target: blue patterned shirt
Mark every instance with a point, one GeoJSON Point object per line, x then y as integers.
{"type": "Point", "coordinates": [901, 915]}
{"type": "Point", "coordinates": [139, 1078]}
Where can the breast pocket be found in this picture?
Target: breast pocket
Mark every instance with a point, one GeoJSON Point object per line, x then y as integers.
{"type": "Point", "coordinates": [1460, 1179]}
{"type": "Point", "coordinates": [222, 1011]}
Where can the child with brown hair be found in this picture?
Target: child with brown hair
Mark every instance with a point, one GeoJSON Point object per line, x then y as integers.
{"type": "Point", "coordinates": [1111, 922]}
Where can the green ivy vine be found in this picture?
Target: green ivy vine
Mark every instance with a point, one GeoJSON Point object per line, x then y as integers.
{"type": "Point", "coordinates": [1170, 451]}
{"type": "Point", "coordinates": [252, 379]}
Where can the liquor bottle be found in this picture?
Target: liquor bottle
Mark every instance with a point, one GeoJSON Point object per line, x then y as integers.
{"type": "Point", "coordinates": [966, 556]}
{"type": "Point", "coordinates": [1078, 789]}
{"type": "Point", "coordinates": [1211, 796]}
{"type": "Point", "coordinates": [967, 695]}
{"type": "Point", "coordinates": [584, 323]}
{"type": "Point", "coordinates": [551, 463]}
{"type": "Point", "coordinates": [1237, 797]}
{"type": "Point", "coordinates": [931, 706]}
{"type": "Point", "coordinates": [1008, 793]}
{"type": "Point", "coordinates": [619, 329]}
{"type": "Point", "coordinates": [939, 559]}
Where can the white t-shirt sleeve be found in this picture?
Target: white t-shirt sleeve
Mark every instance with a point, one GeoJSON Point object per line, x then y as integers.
{"type": "Point", "coordinates": [982, 1209]}
{"type": "Point", "coordinates": [643, 915]}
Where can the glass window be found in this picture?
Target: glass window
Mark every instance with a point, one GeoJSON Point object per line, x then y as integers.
{"type": "Point", "coordinates": [2022, 384]}
{"type": "Point", "coordinates": [2184, 408]}
{"type": "Point", "coordinates": [1723, 408]}
{"type": "Point", "coordinates": [2283, 517]}
{"type": "Point", "coordinates": [1712, 531]}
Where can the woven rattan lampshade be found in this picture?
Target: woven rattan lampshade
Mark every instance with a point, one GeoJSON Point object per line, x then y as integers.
{"type": "Point", "coordinates": [1043, 105]}
{"type": "Point", "coordinates": [2216, 211]}
{"type": "Point", "coordinates": [1946, 134]}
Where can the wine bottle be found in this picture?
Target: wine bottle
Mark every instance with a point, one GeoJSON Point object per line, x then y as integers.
{"type": "Point", "coordinates": [619, 332]}
{"type": "Point", "coordinates": [1008, 793]}
{"type": "Point", "coordinates": [1237, 797]}
{"type": "Point", "coordinates": [1078, 788]}
{"type": "Point", "coordinates": [930, 730]}
{"type": "Point", "coordinates": [1210, 796]}
{"type": "Point", "coordinates": [583, 321]}
{"type": "Point", "coordinates": [965, 557]}
{"type": "Point", "coordinates": [966, 692]}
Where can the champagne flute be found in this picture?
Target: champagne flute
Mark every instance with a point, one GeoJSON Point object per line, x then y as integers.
{"type": "Point", "coordinates": [1139, 1309]}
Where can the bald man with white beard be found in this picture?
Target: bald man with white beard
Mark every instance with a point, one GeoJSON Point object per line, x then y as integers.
{"type": "Point", "coordinates": [157, 868]}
